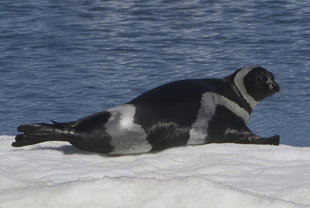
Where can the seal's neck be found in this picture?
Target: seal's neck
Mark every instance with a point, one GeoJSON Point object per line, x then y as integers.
{"type": "Point", "coordinates": [238, 80]}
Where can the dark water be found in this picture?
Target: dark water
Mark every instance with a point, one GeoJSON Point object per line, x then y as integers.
{"type": "Point", "coordinates": [63, 60]}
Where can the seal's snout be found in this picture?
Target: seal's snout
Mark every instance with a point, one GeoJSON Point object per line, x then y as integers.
{"type": "Point", "coordinates": [275, 87]}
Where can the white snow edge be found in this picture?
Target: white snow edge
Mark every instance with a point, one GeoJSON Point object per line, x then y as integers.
{"type": "Point", "coordinates": [216, 175]}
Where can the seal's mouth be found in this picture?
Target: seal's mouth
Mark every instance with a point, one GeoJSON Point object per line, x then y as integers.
{"type": "Point", "coordinates": [271, 88]}
{"type": "Point", "coordinates": [274, 87]}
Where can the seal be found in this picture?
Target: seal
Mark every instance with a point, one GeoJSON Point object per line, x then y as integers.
{"type": "Point", "coordinates": [185, 112]}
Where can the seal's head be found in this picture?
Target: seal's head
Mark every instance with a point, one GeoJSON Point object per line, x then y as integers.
{"type": "Point", "coordinates": [255, 83]}
{"type": "Point", "coordinates": [260, 83]}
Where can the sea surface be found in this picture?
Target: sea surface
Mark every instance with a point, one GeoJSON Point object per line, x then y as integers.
{"type": "Point", "coordinates": [63, 60]}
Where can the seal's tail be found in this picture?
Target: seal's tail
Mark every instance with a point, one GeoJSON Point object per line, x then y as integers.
{"type": "Point", "coordinates": [40, 132]}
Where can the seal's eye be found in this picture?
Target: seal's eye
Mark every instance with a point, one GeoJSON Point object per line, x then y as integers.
{"type": "Point", "coordinates": [261, 78]}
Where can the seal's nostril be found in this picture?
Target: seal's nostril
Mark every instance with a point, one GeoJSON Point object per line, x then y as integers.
{"type": "Point", "coordinates": [276, 87]}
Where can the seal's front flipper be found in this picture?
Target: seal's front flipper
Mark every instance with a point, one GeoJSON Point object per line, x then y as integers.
{"type": "Point", "coordinates": [248, 137]}
{"type": "Point", "coordinates": [275, 140]}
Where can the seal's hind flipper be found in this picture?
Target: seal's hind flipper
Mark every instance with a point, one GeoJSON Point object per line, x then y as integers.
{"type": "Point", "coordinates": [25, 140]}
{"type": "Point", "coordinates": [38, 133]}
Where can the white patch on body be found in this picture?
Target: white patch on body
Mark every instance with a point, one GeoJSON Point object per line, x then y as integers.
{"type": "Point", "coordinates": [127, 137]}
{"type": "Point", "coordinates": [240, 85]}
{"type": "Point", "coordinates": [209, 101]}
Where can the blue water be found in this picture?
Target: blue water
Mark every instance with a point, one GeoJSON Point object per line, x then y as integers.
{"type": "Point", "coordinates": [63, 60]}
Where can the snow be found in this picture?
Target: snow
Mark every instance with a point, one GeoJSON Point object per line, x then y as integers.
{"type": "Point", "coordinates": [56, 174]}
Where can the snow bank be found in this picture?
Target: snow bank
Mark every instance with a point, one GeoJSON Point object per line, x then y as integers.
{"type": "Point", "coordinates": [218, 175]}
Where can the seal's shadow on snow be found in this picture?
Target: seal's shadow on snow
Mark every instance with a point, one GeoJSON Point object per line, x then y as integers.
{"type": "Point", "coordinates": [71, 150]}
{"type": "Point", "coordinates": [65, 149]}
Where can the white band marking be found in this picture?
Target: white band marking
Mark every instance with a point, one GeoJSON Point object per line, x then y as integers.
{"type": "Point", "coordinates": [209, 101]}
{"type": "Point", "coordinates": [240, 85]}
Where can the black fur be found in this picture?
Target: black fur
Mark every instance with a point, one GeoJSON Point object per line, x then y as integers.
{"type": "Point", "coordinates": [87, 133]}
{"type": "Point", "coordinates": [256, 82]}
{"type": "Point", "coordinates": [164, 135]}
{"type": "Point", "coordinates": [166, 115]}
